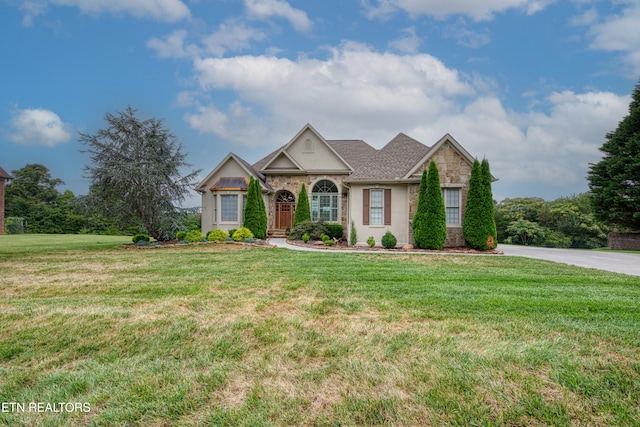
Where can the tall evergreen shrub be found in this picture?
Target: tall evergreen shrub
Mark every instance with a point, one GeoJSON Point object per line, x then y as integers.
{"type": "Point", "coordinates": [430, 220]}
{"type": "Point", "coordinates": [473, 227]}
{"type": "Point", "coordinates": [489, 208]}
{"type": "Point", "coordinates": [254, 212]}
{"type": "Point", "coordinates": [302, 213]}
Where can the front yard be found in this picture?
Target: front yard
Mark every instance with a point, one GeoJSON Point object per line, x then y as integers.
{"type": "Point", "coordinates": [231, 335]}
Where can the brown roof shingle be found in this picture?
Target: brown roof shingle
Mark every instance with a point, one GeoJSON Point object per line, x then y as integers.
{"type": "Point", "coordinates": [393, 161]}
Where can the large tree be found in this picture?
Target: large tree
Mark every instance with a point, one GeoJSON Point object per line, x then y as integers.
{"type": "Point", "coordinates": [430, 220]}
{"type": "Point", "coordinates": [615, 180]}
{"type": "Point", "coordinates": [32, 195]}
{"type": "Point", "coordinates": [136, 172]}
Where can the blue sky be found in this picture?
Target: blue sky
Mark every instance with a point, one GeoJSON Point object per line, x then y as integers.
{"type": "Point", "coordinates": [532, 85]}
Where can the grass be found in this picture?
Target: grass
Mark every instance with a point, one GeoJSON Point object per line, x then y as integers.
{"type": "Point", "coordinates": [229, 335]}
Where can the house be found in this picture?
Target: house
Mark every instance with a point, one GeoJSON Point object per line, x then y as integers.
{"type": "Point", "coordinates": [4, 176]}
{"type": "Point", "coordinates": [346, 180]}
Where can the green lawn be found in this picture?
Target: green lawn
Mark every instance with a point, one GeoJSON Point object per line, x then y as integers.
{"type": "Point", "coordinates": [230, 335]}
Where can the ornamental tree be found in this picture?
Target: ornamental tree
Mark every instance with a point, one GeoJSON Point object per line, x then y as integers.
{"type": "Point", "coordinates": [473, 227]}
{"type": "Point", "coordinates": [302, 213]}
{"type": "Point", "coordinates": [254, 212]}
{"type": "Point", "coordinates": [430, 220]}
{"type": "Point", "coordinates": [136, 172]}
{"type": "Point", "coordinates": [615, 180]}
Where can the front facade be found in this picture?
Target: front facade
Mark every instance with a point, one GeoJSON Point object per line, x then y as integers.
{"type": "Point", "coordinates": [347, 181]}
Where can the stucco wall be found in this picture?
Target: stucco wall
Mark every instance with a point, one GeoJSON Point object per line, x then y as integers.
{"type": "Point", "coordinates": [399, 215]}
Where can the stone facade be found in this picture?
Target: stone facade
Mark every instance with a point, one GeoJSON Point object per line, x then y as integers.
{"type": "Point", "coordinates": [454, 172]}
{"type": "Point", "coordinates": [293, 184]}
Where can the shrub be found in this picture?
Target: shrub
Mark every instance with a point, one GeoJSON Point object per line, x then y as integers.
{"type": "Point", "coordinates": [142, 243]}
{"type": "Point", "coordinates": [389, 240]}
{"type": "Point", "coordinates": [335, 230]}
{"type": "Point", "coordinates": [430, 219]}
{"type": "Point", "coordinates": [140, 237]}
{"type": "Point", "coordinates": [249, 240]}
{"type": "Point", "coordinates": [353, 235]}
{"type": "Point", "coordinates": [255, 215]}
{"type": "Point", "coordinates": [313, 229]}
{"type": "Point", "coordinates": [302, 212]}
{"type": "Point", "coordinates": [180, 235]}
{"type": "Point", "coordinates": [229, 239]}
{"type": "Point", "coordinates": [193, 236]}
{"type": "Point", "coordinates": [305, 237]}
{"type": "Point", "coordinates": [371, 241]}
{"type": "Point", "coordinates": [324, 237]}
{"type": "Point", "coordinates": [231, 232]}
{"type": "Point", "coordinates": [217, 235]}
{"type": "Point", "coordinates": [242, 233]}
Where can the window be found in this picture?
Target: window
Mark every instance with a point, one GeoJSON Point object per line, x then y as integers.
{"type": "Point", "coordinates": [376, 207]}
{"type": "Point", "coordinates": [324, 201]}
{"type": "Point", "coordinates": [451, 198]}
{"type": "Point", "coordinates": [229, 208]}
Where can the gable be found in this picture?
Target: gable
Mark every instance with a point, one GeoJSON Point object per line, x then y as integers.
{"type": "Point", "coordinates": [452, 160]}
{"type": "Point", "coordinates": [308, 151]}
{"type": "Point", "coordinates": [231, 168]}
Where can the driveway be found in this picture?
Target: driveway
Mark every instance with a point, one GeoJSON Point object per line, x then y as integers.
{"type": "Point", "coordinates": [616, 262]}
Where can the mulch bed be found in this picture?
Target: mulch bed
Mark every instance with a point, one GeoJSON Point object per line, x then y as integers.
{"type": "Point", "coordinates": [343, 245]}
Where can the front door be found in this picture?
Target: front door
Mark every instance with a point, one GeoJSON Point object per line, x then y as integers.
{"type": "Point", "coordinates": [285, 208]}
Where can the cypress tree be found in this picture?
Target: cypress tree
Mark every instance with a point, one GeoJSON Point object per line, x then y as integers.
{"type": "Point", "coordinates": [419, 224]}
{"type": "Point", "coordinates": [488, 211]}
{"type": "Point", "coordinates": [254, 212]}
{"type": "Point", "coordinates": [473, 227]}
{"type": "Point", "coordinates": [302, 213]}
{"type": "Point", "coordinates": [430, 220]}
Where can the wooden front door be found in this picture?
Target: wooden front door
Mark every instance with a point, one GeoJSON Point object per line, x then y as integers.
{"type": "Point", "coordinates": [285, 208]}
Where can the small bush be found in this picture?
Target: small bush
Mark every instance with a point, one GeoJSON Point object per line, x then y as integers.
{"type": "Point", "coordinates": [353, 235]}
{"type": "Point", "coordinates": [335, 230]}
{"type": "Point", "coordinates": [140, 237]}
{"type": "Point", "coordinates": [389, 240]}
{"type": "Point", "coordinates": [249, 240]}
{"type": "Point", "coordinates": [180, 235]}
{"type": "Point", "coordinates": [313, 229]}
{"type": "Point", "coordinates": [229, 239]}
{"type": "Point", "coordinates": [183, 242]}
{"type": "Point", "coordinates": [233, 230]}
{"type": "Point", "coordinates": [217, 235]}
{"type": "Point", "coordinates": [371, 241]}
{"type": "Point", "coordinates": [193, 236]}
{"type": "Point", "coordinates": [242, 233]}
{"type": "Point", "coordinates": [142, 243]}
{"type": "Point", "coordinates": [324, 237]}
{"type": "Point", "coordinates": [306, 237]}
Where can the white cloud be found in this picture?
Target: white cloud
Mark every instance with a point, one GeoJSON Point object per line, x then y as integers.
{"type": "Point", "coordinates": [476, 10]}
{"type": "Point", "coordinates": [466, 37]}
{"type": "Point", "coordinates": [173, 46]}
{"type": "Point", "coordinates": [356, 92]}
{"type": "Point", "coordinates": [263, 9]}
{"type": "Point", "coordinates": [354, 89]}
{"type": "Point", "coordinates": [409, 42]}
{"type": "Point", "coordinates": [617, 33]}
{"type": "Point", "coordinates": [159, 10]}
{"type": "Point", "coordinates": [38, 127]}
{"type": "Point", "coordinates": [232, 35]}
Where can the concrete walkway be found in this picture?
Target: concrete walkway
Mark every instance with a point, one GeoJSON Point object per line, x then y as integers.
{"type": "Point", "coordinates": [617, 262]}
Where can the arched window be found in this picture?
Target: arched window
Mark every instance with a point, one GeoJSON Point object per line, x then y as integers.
{"type": "Point", "coordinates": [324, 201]}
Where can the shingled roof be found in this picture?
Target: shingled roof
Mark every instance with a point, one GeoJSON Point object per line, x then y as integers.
{"type": "Point", "coordinates": [356, 152]}
{"type": "Point", "coordinates": [391, 162]}
{"type": "Point", "coordinates": [4, 174]}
